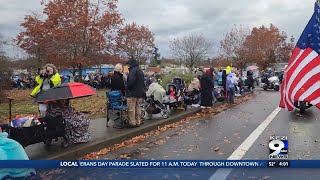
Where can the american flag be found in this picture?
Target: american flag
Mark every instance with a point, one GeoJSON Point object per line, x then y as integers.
{"type": "Point", "coordinates": [301, 80]}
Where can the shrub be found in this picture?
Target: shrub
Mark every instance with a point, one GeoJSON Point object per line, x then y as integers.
{"type": "Point", "coordinates": [166, 79]}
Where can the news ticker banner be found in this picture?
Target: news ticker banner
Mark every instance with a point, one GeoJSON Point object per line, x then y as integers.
{"type": "Point", "coordinates": [159, 164]}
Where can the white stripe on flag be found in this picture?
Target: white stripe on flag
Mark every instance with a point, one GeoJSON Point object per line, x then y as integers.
{"type": "Point", "coordinates": [295, 60]}
{"type": "Point", "coordinates": [316, 101]}
{"type": "Point", "coordinates": [304, 62]}
{"type": "Point", "coordinates": [311, 73]}
{"type": "Point", "coordinates": [310, 90]}
{"type": "Point", "coordinates": [284, 95]}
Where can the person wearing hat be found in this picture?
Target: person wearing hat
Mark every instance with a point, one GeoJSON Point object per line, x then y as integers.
{"type": "Point", "coordinates": [48, 78]}
{"type": "Point", "coordinates": [135, 92]}
{"type": "Point", "coordinates": [206, 84]}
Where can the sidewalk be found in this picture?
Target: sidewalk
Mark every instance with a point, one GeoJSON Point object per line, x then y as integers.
{"type": "Point", "coordinates": [102, 137]}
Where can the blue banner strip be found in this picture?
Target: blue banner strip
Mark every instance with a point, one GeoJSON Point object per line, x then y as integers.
{"type": "Point", "coordinates": [154, 164]}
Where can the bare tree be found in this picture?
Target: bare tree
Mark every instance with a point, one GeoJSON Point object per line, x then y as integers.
{"type": "Point", "coordinates": [4, 69]}
{"type": "Point", "coordinates": [233, 46]}
{"type": "Point", "coordinates": [191, 50]}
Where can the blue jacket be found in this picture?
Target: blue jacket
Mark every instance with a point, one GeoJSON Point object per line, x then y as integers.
{"type": "Point", "coordinates": [12, 150]}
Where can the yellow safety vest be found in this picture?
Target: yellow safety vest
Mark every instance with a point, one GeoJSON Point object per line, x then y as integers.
{"type": "Point", "coordinates": [56, 80]}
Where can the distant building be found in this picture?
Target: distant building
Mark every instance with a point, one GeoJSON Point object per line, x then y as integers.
{"type": "Point", "coordinates": [104, 68]}
{"type": "Point", "coordinates": [280, 66]}
{"type": "Point", "coordinates": [153, 70]}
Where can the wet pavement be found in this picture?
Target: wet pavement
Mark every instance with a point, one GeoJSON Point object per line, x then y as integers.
{"type": "Point", "coordinates": [216, 138]}
{"type": "Point", "coordinates": [101, 135]}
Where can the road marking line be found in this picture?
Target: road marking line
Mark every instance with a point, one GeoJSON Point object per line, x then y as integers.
{"type": "Point", "coordinates": [238, 154]}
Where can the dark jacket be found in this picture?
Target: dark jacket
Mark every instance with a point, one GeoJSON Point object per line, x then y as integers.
{"type": "Point", "coordinates": [206, 90]}
{"type": "Point", "coordinates": [117, 82]}
{"type": "Point", "coordinates": [135, 81]}
{"type": "Point", "coordinates": [224, 78]}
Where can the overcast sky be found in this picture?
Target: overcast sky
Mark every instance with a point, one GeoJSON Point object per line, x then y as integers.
{"type": "Point", "coordinates": [170, 19]}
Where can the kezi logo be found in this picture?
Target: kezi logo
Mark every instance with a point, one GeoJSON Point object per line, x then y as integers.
{"type": "Point", "coordinates": [278, 146]}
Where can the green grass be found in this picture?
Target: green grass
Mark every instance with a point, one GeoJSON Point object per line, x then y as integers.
{"type": "Point", "coordinates": [95, 105]}
{"type": "Point", "coordinates": [167, 78]}
{"type": "Point", "coordinates": [18, 108]}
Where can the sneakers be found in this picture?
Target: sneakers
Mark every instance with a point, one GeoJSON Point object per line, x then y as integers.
{"type": "Point", "coordinates": [195, 105]}
{"type": "Point", "coordinates": [202, 107]}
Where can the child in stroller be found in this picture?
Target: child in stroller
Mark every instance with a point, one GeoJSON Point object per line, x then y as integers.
{"type": "Point", "coordinates": [155, 96]}
{"type": "Point", "coordinates": [192, 95]}
{"type": "Point", "coordinates": [171, 95]}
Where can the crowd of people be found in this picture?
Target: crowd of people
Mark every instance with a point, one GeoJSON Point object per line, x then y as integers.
{"type": "Point", "coordinates": [135, 87]}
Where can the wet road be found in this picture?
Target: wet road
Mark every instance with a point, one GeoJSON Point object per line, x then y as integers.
{"type": "Point", "coordinates": [248, 125]}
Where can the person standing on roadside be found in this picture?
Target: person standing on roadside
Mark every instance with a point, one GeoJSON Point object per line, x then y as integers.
{"type": "Point", "coordinates": [135, 88]}
{"type": "Point", "coordinates": [48, 78]}
{"type": "Point", "coordinates": [231, 86]}
{"type": "Point", "coordinates": [206, 84]}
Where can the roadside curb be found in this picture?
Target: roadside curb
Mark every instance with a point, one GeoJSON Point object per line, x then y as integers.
{"type": "Point", "coordinates": [76, 151]}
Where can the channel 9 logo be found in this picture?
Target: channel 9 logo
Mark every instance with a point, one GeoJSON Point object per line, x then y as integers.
{"type": "Point", "coordinates": [278, 146]}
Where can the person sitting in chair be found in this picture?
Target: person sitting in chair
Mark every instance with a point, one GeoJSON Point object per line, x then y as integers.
{"type": "Point", "coordinates": [156, 92]}
{"type": "Point", "coordinates": [77, 123]}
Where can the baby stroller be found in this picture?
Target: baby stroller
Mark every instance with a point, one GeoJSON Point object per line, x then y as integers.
{"type": "Point", "coordinates": [174, 96]}
{"type": "Point", "coordinates": [179, 82]}
{"type": "Point", "coordinates": [191, 98]}
{"type": "Point", "coordinates": [155, 107]}
{"type": "Point", "coordinates": [50, 128]}
{"type": "Point", "coordinates": [218, 94]}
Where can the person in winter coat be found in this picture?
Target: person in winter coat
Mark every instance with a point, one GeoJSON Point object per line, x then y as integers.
{"type": "Point", "coordinates": [156, 90]}
{"type": "Point", "coordinates": [250, 80]}
{"type": "Point", "coordinates": [194, 87]}
{"type": "Point", "coordinates": [48, 78]}
{"type": "Point", "coordinates": [135, 90]}
{"type": "Point", "coordinates": [117, 80]}
{"type": "Point", "coordinates": [206, 89]}
{"type": "Point", "coordinates": [12, 150]}
{"type": "Point", "coordinates": [231, 87]}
